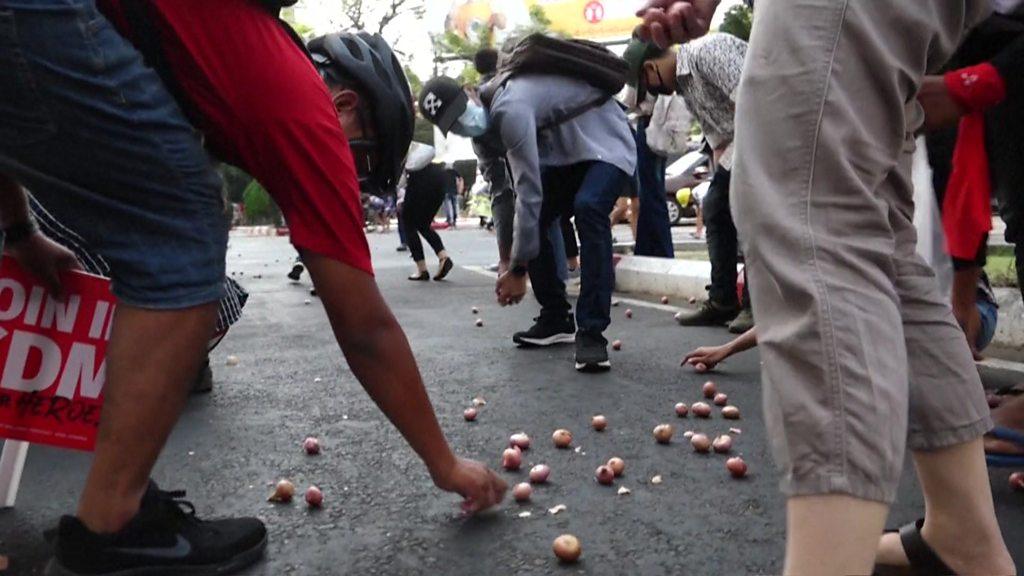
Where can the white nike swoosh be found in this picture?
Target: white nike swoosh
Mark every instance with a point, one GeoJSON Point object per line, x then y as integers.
{"type": "Point", "coordinates": [181, 549]}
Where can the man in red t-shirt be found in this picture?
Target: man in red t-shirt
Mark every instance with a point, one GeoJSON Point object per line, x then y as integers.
{"type": "Point", "coordinates": [313, 135]}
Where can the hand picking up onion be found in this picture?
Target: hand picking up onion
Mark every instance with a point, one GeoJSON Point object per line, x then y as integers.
{"type": "Point", "coordinates": [314, 497]}
{"type": "Point", "coordinates": [737, 467]}
{"type": "Point", "coordinates": [567, 548]}
{"type": "Point", "coordinates": [599, 422]}
{"type": "Point", "coordinates": [522, 492]}
{"type": "Point", "coordinates": [701, 443]}
{"type": "Point", "coordinates": [284, 491]}
{"type": "Point", "coordinates": [663, 433]}
{"type": "Point", "coordinates": [604, 475]}
{"type": "Point", "coordinates": [562, 438]}
{"type": "Point", "coordinates": [511, 459]}
{"type": "Point", "coordinates": [539, 473]}
{"type": "Point", "coordinates": [731, 413]}
{"type": "Point", "coordinates": [520, 440]}
{"type": "Point", "coordinates": [618, 466]}
{"type": "Point", "coordinates": [701, 410]}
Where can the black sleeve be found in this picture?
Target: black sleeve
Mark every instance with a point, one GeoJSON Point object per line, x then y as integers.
{"type": "Point", "coordinates": [1010, 64]}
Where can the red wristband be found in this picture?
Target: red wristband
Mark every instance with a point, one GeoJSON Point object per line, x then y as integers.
{"type": "Point", "coordinates": [976, 88]}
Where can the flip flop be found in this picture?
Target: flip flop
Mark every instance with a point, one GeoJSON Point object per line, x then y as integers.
{"type": "Point", "coordinates": [1006, 460]}
{"type": "Point", "coordinates": [923, 559]}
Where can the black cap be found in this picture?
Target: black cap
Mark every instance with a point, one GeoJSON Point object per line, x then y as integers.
{"type": "Point", "coordinates": [442, 101]}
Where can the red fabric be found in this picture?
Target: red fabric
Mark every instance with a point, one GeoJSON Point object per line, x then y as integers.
{"type": "Point", "coordinates": [967, 206]}
{"type": "Point", "coordinates": [265, 109]}
{"type": "Point", "coordinates": [976, 88]}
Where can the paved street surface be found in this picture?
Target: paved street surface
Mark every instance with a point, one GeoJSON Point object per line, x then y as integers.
{"type": "Point", "coordinates": [382, 514]}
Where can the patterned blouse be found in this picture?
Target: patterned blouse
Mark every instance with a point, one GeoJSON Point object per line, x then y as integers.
{"type": "Point", "coordinates": [708, 73]}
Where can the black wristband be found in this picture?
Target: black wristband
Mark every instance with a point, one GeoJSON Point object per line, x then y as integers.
{"type": "Point", "coordinates": [518, 270]}
{"type": "Point", "coordinates": [19, 232]}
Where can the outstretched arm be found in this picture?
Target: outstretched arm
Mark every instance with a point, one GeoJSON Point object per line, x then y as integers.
{"type": "Point", "coordinates": [380, 357]}
{"type": "Point", "coordinates": [705, 359]}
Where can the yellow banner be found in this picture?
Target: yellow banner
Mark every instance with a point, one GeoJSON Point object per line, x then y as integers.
{"type": "Point", "coordinates": [592, 19]}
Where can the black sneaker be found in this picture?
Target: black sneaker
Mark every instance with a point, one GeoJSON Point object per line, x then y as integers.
{"type": "Point", "coordinates": [708, 314]}
{"type": "Point", "coordinates": [296, 272]}
{"type": "Point", "coordinates": [591, 352]}
{"type": "Point", "coordinates": [547, 332]}
{"type": "Point", "coordinates": [164, 538]}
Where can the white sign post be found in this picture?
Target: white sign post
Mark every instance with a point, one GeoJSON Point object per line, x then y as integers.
{"type": "Point", "coordinates": [12, 462]}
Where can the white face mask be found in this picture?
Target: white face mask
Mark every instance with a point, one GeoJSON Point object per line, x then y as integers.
{"type": "Point", "coordinates": [474, 121]}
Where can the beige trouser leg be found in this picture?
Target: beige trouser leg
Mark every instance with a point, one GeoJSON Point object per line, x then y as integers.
{"type": "Point", "coordinates": [861, 352]}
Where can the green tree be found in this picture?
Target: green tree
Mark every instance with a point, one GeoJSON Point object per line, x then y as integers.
{"type": "Point", "coordinates": [738, 22]}
{"type": "Point", "coordinates": [259, 206]}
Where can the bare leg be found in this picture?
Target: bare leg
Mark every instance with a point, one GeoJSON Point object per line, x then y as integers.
{"type": "Point", "coordinates": [960, 520]}
{"type": "Point", "coordinates": [634, 214]}
{"type": "Point", "coordinates": [151, 359]}
{"type": "Point", "coordinates": [832, 534]}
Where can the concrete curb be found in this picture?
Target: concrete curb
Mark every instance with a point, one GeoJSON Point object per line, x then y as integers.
{"type": "Point", "coordinates": [685, 279]}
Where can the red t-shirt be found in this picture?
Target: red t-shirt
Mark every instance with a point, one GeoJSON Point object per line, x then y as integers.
{"type": "Point", "coordinates": [263, 107]}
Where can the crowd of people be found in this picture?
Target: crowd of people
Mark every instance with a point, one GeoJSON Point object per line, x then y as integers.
{"type": "Point", "coordinates": [114, 112]}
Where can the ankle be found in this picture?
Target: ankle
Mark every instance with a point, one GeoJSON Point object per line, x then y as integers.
{"type": "Point", "coordinates": [978, 550]}
{"type": "Point", "coordinates": [107, 518]}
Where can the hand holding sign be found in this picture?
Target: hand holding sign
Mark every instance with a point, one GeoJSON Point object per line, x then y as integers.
{"type": "Point", "coordinates": [45, 260]}
{"type": "Point", "coordinates": [52, 353]}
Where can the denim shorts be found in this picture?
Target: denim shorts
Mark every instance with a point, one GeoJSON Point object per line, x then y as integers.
{"type": "Point", "coordinates": [95, 136]}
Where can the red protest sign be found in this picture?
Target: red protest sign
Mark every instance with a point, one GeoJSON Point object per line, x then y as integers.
{"type": "Point", "coordinates": [52, 357]}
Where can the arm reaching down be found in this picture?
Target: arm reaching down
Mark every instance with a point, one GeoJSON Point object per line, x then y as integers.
{"type": "Point", "coordinates": [379, 355]}
{"type": "Point", "coordinates": [668, 22]}
{"type": "Point", "coordinates": [706, 358]}
{"type": "Point", "coordinates": [41, 257]}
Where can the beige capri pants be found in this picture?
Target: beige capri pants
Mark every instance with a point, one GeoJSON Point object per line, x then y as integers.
{"type": "Point", "coordinates": [861, 354]}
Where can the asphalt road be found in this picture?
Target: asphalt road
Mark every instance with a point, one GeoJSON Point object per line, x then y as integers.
{"type": "Point", "coordinates": [382, 515]}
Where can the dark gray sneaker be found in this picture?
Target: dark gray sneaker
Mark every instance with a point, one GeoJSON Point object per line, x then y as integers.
{"type": "Point", "coordinates": [708, 314]}
{"type": "Point", "coordinates": [743, 323]}
{"type": "Point", "coordinates": [591, 352]}
{"type": "Point", "coordinates": [164, 538]}
{"type": "Point", "coordinates": [547, 332]}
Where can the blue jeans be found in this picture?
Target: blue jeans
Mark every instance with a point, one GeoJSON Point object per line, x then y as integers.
{"type": "Point", "coordinates": [653, 229]}
{"type": "Point", "coordinates": [95, 136]}
{"type": "Point", "coordinates": [451, 209]}
{"type": "Point", "coordinates": [989, 319]}
{"type": "Point", "coordinates": [588, 191]}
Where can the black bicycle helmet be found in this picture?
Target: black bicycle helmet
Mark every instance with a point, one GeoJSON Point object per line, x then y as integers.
{"type": "Point", "coordinates": [367, 64]}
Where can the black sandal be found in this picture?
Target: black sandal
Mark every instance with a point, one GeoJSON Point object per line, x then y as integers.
{"type": "Point", "coordinates": [420, 277]}
{"type": "Point", "coordinates": [923, 559]}
{"type": "Point", "coordinates": [446, 267]}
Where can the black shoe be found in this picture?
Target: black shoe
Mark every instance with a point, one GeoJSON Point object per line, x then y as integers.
{"type": "Point", "coordinates": [402, 248]}
{"type": "Point", "coordinates": [591, 352]}
{"type": "Point", "coordinates": [708, 314]}
{"type": "Point", "coordinates": [547, 332]}
{"type": "Point", "coordinates": [164, 538]}
{"type": "Point", "coordinates": [204, 380]}
{"type": "Point", "coordinates": [446, 267]}
{"type": "Point", "coordinates": [743, 322]}
{"type": "Point", "coordinates": [296, 272]}
{"type": "Point", "coordinates": [420, 277]}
